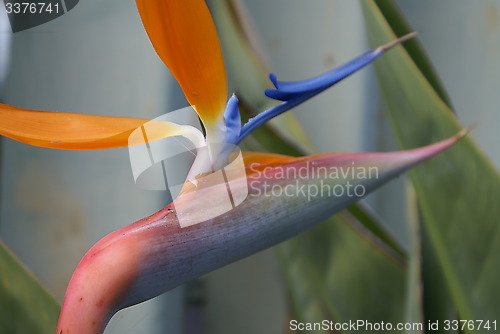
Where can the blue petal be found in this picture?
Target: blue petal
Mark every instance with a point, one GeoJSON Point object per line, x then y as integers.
{"type": "Point", "coordinates": [233, 120]}
{"type": "Point", "coordinates": [266, 115]}
{"type": "Point", "coordinates": [294, 93]}
{"type": "Point", "coordinates": [287, 90]}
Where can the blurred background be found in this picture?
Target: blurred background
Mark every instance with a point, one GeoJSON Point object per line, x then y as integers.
{"type": "Point", "coordinates": [97, 59]}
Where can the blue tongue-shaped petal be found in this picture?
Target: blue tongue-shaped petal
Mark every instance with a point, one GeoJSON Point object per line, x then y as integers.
{"type": "Point", "coordinates": [232, 118]}
{"type": "Point", "coordinates": [288, 90]}
{"type": "Point", "coordinates": [294, 93]}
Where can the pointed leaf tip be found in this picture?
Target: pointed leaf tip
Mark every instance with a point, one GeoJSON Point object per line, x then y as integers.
{"type": "Point", "coordinates": [395, 42]}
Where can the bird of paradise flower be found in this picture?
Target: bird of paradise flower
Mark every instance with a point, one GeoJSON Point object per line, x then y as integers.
{"type": "Point", "coordinates": [155, 254]}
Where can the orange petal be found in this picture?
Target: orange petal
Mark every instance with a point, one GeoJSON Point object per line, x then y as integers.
{"type": "Point", "coordinates": [258, 161]}
{"type": "Point", "coordinates": [260, 158]}
{"type": "Point", "coordinates": [68, 131]}
{"type": "Point", "coordinates": [184, 36]}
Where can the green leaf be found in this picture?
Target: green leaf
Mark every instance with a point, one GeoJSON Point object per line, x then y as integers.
{"type": "Point", "coordinates": [414, 302]}
{"type": "Point", "coordinates": [459, 190]}
{"type": "Point", "coordinates": [340, 271]}
{"type": "Point", "coordinates": [415, 50]}
{"type": "Point", "coordinates": [437, 301]}
{"type": "Point", "coordinates": [375, 225]}
{"type": "Point", "coordinates": [25, 305]}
